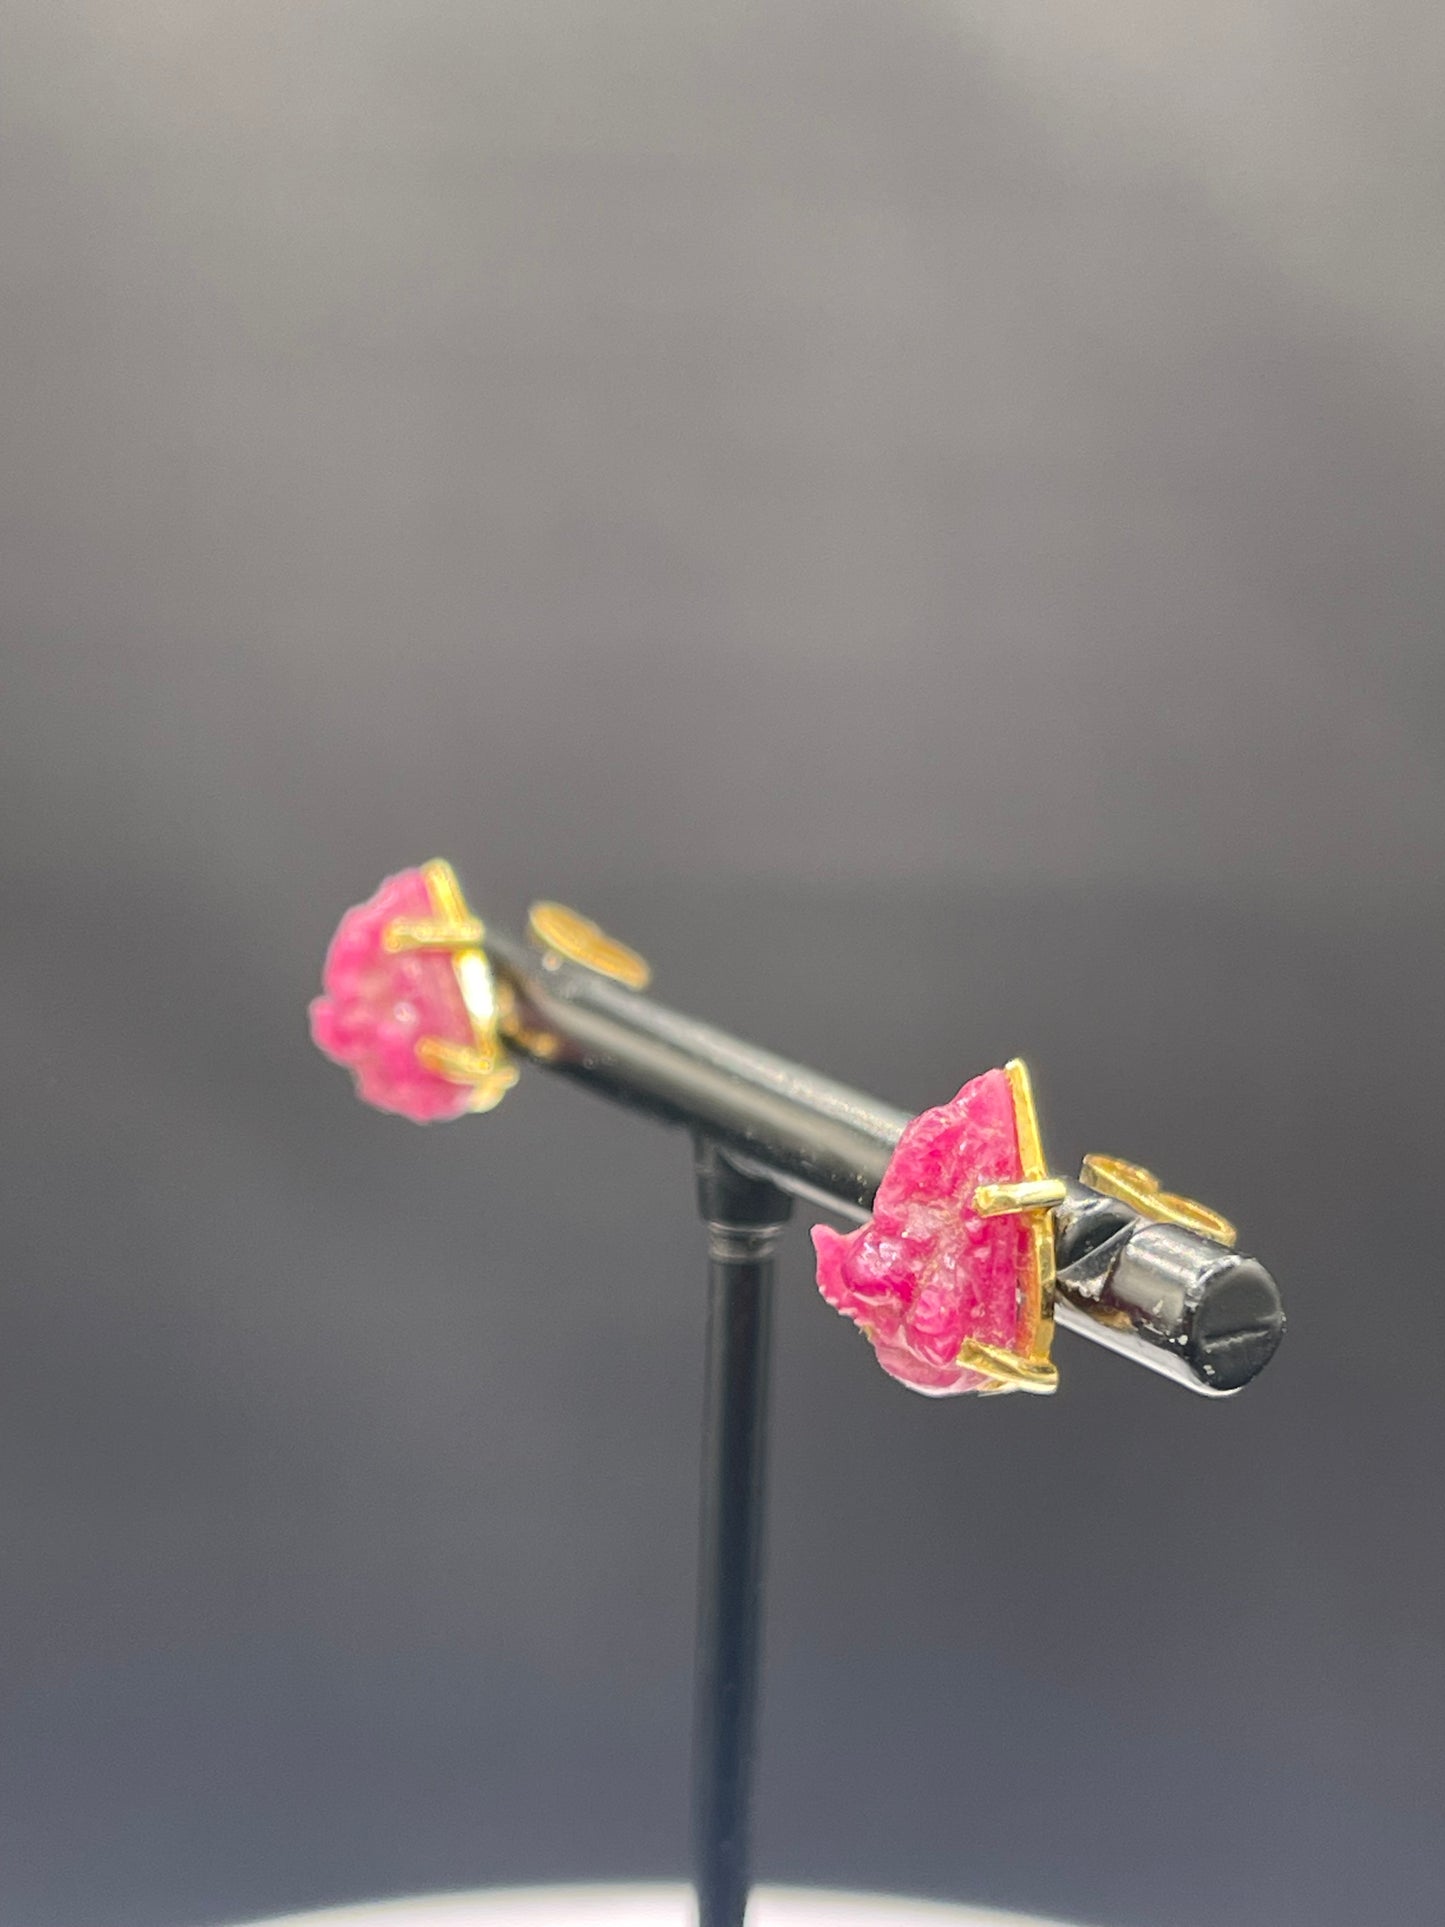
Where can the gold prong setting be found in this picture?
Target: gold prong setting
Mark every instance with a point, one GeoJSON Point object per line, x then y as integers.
{"type": "Point", "coordinates": [1033, 1196]}
{"type": "Point", "coordinates": [1009, 1371]}
{"type": "Point", "coordinates": [1028, 1194]}
{"type": "Point", "coordinates": [431, 933]}
{"type": "Point", "coordinates": [484, 1064]}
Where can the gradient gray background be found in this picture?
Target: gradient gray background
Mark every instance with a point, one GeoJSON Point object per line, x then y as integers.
{"type": "Point", "coordinates": [926, 519]}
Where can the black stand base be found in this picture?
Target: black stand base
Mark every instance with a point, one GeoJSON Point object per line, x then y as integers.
{"type": "Point", "coordinates": [744, 1217]}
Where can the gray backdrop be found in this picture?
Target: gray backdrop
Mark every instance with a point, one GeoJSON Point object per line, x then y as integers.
{"type": "Point", "coordinates": [928, 520]}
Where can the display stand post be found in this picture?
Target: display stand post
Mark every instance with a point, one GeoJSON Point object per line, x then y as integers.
{"type": "Point", "coordinates": [744, 1218]}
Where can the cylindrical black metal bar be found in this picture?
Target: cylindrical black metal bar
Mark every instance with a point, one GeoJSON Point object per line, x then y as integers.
{"type": "Point", "coordinates": [1181, 1305]}
{"type": "Point", "coordinates": [744, 1217]}
{"type": "Point", "coordinates": [816, 1137]}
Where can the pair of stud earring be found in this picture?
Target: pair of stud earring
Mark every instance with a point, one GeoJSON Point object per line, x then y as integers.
{"type": "Point", "coordinates": [952, 1278]}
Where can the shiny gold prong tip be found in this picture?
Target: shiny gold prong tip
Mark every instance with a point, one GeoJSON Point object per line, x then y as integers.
{"type": "Point", "coordinates": [432, 933]}
{"type": "Point", "coordinates": [1131, 1184]}
{"type": "Point", "coordinates": [445, 892]}
{"type": "Point", "coordinates": [490, 1077]}
{"type": "Point", "coordinates": [1029, 1194]}
{"type": "Point", "coordinates": [460, 1063]}
{"type": "Point", "coordinates": [1009, 1372]}
{"type": "Point", "coordinates": [488, 1093]}
{"type": "Point", "coordinates": [1026, 1118]}
{"type": "Point", "coordinates": [568, 934]}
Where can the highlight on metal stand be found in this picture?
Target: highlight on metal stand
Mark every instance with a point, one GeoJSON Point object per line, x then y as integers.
{"type": "Point", "coordinates": [967, 1250]}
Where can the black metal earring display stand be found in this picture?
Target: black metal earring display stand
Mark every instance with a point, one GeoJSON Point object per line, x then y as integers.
{"type": "Point", "coordinates": [744, 1218]}
{"type": "Point", "coordinates": [768, 1131]}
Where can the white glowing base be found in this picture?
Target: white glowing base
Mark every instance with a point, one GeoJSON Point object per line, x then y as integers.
{"type": "Point", "coordinates": [653, 1907]}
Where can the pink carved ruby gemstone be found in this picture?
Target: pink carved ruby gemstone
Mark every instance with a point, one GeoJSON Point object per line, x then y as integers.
{"type": "Point", "coordinates": [926, 1272]}
{"type": "Point", "coordinates": [378, 1007]}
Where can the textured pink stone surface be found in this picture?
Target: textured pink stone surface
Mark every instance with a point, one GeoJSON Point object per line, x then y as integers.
{"type": "Point", "coordinates": [377, 1007]}
{"type": "Point", "coordinates": [926, 1272]}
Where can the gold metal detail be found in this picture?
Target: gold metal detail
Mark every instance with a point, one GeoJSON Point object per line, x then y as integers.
{"type": "Point", "coordinates": [1030, 1194]}
{"type": "Point", "coordinates": [484, 1064]}
{"type": "Point", "coordinates": [460, 1063]}
{"type": "Point", "coordinates": [1033, 1196]}
{"type": "Point", "coordinates": [565, 933]}
{"type": "Point", "coordinates": [431, 933]}
{"type": "Point", "coordinates": [1036, 1326]}
{"type": "Point", "coordinates": [1132, 1184]}
{"type": "Point", "coordinates": [1012, 1372]}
